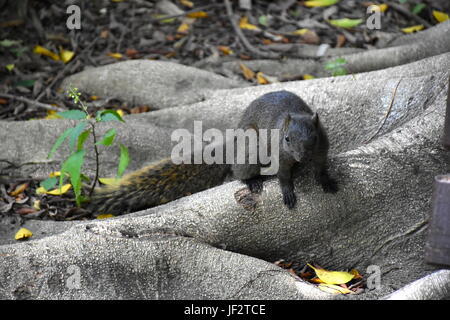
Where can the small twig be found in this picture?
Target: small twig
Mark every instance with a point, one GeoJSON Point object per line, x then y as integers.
{"type": "Point", "coordinates": [245, 42]}
{"type": "Point", "coordinates": [387, 113]}
{"type": "Point", "coordinates": [32, 102]}
{"type": "Point", "coordinates": [399, 8]}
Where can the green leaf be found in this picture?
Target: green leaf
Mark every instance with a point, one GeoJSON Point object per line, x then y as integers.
{"type": "Point", "coordinates": [339, 72]}
{"type": "Point", "coordinates": [82, 138]}
{"type": "Point", "coordinates": [9, 43]}
{"type": "Point", "coordinates": [418, 8]}
{"type": "Point", "coordinates": [263, 20]}
{"type": "Point", "coordinates": [76, 132]}
{"type": "Point", "coordinates": [346, 23]}
{"type": "Point", "coordinates": [72, 166]}
{"type": "Point", "coordinates": [25, 83]}
{"type": "Point", "coordinates": [336, 63]}
{"type": "Point", "coordinates": [49, 183]}
{"type": "Point", "coordinates": [73, 114]}
{"type": "Point", "coordinates": [124, 160]}
{"type": "Point", "coordinates": [108, 138]}
{"type": "Point", "coordinates": [59, 141]}
{"type": "Point", "coordinates": [108, 115]}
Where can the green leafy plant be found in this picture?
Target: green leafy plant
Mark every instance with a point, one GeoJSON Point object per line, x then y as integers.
{"type": "Point", "coordinates": [72, 167]}
{"type": "Point", "coordinates": [336, 67]}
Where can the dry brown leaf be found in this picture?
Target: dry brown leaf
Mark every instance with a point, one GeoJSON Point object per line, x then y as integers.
{"type": "Point", "coordinates": [19, 189]}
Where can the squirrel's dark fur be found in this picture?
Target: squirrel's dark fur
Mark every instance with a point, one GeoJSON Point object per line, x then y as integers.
{"type": "Point", "coordinates": [302, 138]}
{"type": "Point", "coordinates": [165, 181]}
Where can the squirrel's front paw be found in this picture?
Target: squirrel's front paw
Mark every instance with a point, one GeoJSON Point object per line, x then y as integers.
{"type": "Point", "coordinates": [330, 185]}
{"type": "Point", "coordinates": [289, 198]}
{"type": "Point", "coordinates": [254, 184]}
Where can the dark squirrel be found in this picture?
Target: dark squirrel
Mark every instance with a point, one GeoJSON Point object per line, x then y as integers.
{"type": "Point", "coordinates": [302, 138]}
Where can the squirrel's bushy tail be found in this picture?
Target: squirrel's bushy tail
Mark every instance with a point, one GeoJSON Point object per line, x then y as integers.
{"type": "Point", "coordinates": [155, 184]}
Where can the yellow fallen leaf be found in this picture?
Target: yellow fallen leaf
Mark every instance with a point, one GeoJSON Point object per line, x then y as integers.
{"type": "Point", "coordinates": [198, 14]}
{"type": "Point", "coordinates": [183, 28]}
{"type": "Point", "coordinates": [23, 233]}
{"type": "Point", "coordinates": [247, 72]}
{"type": "Point", "coordinates": [187, 3]}
{"type": "Point", "coordinates": [45, 52]}
{"type": "Point", "coordinates": [440, 16]}
{"type": "Point", "coordinates": [66, 55]}
{"type": "Point", "coordinates": [300, 32]}
{"type": "Point", "coordinates": [225, 50]}
{"type": "Point", "coordinates": [243, 24]}
{"type": "Point", "coordinates": [308, 77]}
{"type": "Point", "coordinates": [105, 216]}
{"type": "Point", "coordinates": [332, 277]}
{"type": "Point", "coordinates": [55, 192]}
{"type": "Point", "coordinates": [383, 7]}
{"type": "Point", "coordinates": [10, 67]}
{"type": "Point", "coordinates": [115, 55]}
{"type": "Point", "coordinates": [19, 189]}
{"type": "Point", "coordinates": [261, 79]}
{"type": "Point", "coordinates": [331, 288]}
{"type": "Point", "coordinates": [52, 114]}
{"type": "Point", "coordinates": [120, 112]}
{"type": "Point", "coordinates": [54, 174]}
{"type": "Point", "coordinates": [320, 3]}
{"type": "Point", "coordinates": [413, 29]}
{"type": "Point", "coordinates": [108, 181]}
{"type": "Point", "coordinates": [94, 98]}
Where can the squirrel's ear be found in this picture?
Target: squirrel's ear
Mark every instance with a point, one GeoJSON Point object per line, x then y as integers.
{"type": "Point", "coordinates": [315, 119]}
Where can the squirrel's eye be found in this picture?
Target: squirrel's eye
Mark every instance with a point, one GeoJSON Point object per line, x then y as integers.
{"type": "Point", "coordinates": [286, 138]}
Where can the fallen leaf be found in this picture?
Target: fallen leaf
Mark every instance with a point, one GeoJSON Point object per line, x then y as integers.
{"type": "Point", "coordinates": [440, 16]}
{"type": "Point", "coordinates": [23, 233]}
{"type": "Point", "coordinates": [310, 37]}
{"type": "Point", "coordinates": [331, 288]}
{"type": "Point", "coordinates": [66, 55]}
{"type": "Point", "coordinates": [308, 77]}
{"type": "Point", "coordinates": [19, 189]}
{"type": "Point", "coordinates": [187, 3]}
{"type": "Point", "coordinates": [340, 41]}
{"type": "Point", "coordinates": [54, 174]}
{"type": "Point", "coordinates": [261, 79]}
{"type": "Point", "coordinates": [55, 192]}
{"type": "Point", "coordinates": [320, 3]}
{"type": "Point", "coordinates": [105, 216]}
{"type": "Point", "coordinates": [183, 28]}
{"type": "Point", "coordinates": [247, 72]}
{"type": "Point", "coordinates": [225, 50]}
{"type": "Point", "coordinates": [24, 211]}
{"type": "Point", "coordinates": [332, 277]}
{"type": "Point", "coordinates": [37, 204]}
{"type": "Point", "coordinates": [300, 32]}
{"type": "Point", "coordinates": [140, 109]}
{"type": "Point", "coordinates": [243, 24]}
{"type": "Point", "coordinates": [45, 52]}
{"type": "Point", "coordinates": [197, 14]}
{"type": "Point", "coordinates": [10, 67]}
{"type": "Point", "coordinates": [383, 7]}
{"type": "Point", "coordinates": [3, 101]}
{"type": "Point", "coordinates": [345, 22]}
{"type": "Point", "coordinates": [115, 55]}
{"type": "Point", "coordinates": [108, 181]}
{"type": "Point", "coordinates": [104, 34]}
{"type": "Point", "coordinates": [52, 114]}
{"type": "Point", "coordinates": [413, 29]}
